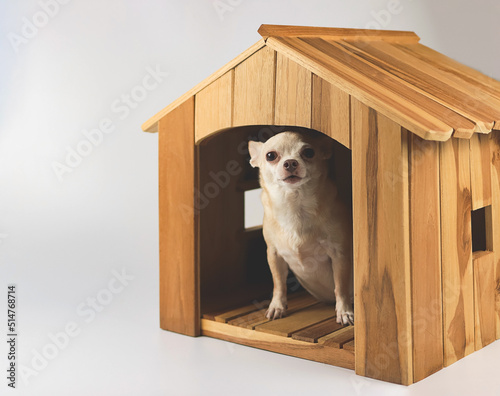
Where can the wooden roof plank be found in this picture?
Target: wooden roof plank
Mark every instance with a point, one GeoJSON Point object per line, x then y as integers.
{"type": "Point", "coordinates": [453, 67]}
{"type": "Point", "coordinates": [151, 125]}
{"type": "Point", "coordinates": [338, 33]}
{"type": "Point", "coordinates": [371, 89]}
{"type": "Point", "coordinates": [459, 96]}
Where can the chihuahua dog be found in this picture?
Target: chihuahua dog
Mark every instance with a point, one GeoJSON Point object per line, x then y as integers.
{"type": "Point", "coordinates": [306, 227]}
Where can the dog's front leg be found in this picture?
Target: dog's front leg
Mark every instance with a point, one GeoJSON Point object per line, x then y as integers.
{"type": "Point", "coordinates": [279, 271]}
{"type": "Point", "coordinates": [342, 277]}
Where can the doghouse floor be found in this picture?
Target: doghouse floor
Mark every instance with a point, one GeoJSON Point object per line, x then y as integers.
{"type": "Point", "coordinates": [308, 331]}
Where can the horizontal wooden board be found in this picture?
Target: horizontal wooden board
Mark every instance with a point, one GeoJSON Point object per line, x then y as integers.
{"type": "Point", "coordinates": [338, 338]}
{"type": "Point", "coordinates": [314, 332]}
{"type": "Point", "coordinates": [322, 353]}
{"type": "Point", "coordinates": [286, 326]}
{"type": "Point", "coordinates": [338, 33]}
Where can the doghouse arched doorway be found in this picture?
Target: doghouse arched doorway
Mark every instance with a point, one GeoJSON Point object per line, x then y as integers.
{"type": "Point", "coordinates": [232, 258]}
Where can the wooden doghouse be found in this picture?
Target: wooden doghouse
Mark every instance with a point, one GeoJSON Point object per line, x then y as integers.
{"type": "Point", "coordinates": [422, 132]}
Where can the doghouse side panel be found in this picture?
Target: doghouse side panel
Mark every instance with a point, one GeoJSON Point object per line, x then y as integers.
{"type": "Point", "coordinates": [484, 298]}
{"type": "Point", "coordinates": [293, 93]}
{"type": "Point", "coordinates": [331, 111]}
{"type": "Point", "coordinates": [214, 106]}
{"type": "Point", "coordinates": [425, 241]}
{"type": "Point", "coordinates": [381, 247]}
{"type": "Point", "coordinates": [179, 287]}
{"type": "Point", "coordinates": [458, 283]}
{"type": "Point", "coordinates": [254, 85]}
{"type": "Point", "coordinates": [495, 215]}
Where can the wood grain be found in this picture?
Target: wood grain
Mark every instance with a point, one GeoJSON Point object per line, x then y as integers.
{"type": "Point", "coordinates": [425, 242]}
{"type": "Point", "coordinates": [314, 332]}
{"type": "Point", "coordinates": [331, 111]}
{"type": "Point", "coordinates": [484, 298]}
{"type": "Point", "coordinates": [339, 34]}
{"type": "Point", "coordinates": [214, 106]}
{"type": "Point", "coordinates": [293, 93]}
{"type": "Point", "coordinates": [151, 125]}
{"type": "Point", "coordinates": [381, 247]}
{"type": "Point", "coordinates": [458, 285]}
{"type": "Point", "coordinates": [179, 279]}
{"type": "Point", "coordinates": [338, 338]}
{"type": "Point", "coordinates": [254, 88]}
{"type": "Point", "coordinates": [286, 345]}
{"type": "Point", "coordinates": [288, 325]}
{"type": "Point", "coordinates": [480, 171]}
{"type": "Point", "coordinates": [411, 112]}
{"type": "Point", "coordinates": [494, 242]}
{"type": "Point", "coordinates": [456, 94]}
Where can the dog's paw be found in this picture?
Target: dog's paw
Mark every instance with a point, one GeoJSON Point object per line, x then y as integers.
{"type": "Point", "coordinates": [276, 309]}
{"type": "Point", "coordinates": [345, 313]}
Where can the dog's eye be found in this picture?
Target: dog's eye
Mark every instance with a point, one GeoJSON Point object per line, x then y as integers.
{"type": "Point", "coordinates": [308, 153]}
{"type": "Point", "coordinates": [271, 156]}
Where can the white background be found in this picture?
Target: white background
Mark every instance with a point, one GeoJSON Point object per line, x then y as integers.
{"type": "Point", "coordinates": [61, 240]}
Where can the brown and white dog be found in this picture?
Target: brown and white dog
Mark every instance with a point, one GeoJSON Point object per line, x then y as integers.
{"type": "Point", "coordinates": [306, 226]}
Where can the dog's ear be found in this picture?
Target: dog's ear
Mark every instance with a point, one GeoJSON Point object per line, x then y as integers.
{"type": "Point", "coordinates": [254, 149]}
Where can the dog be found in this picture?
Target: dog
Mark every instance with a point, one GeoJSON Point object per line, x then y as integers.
{"type": "Point", "coordinates": [306, 226]}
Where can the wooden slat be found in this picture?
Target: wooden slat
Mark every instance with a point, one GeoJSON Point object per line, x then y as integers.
{"type": "Point", "coordinates": [370, 90]}
{"type": "Point", "coordinates": [349, 346]}
{"type": "Point", "coordinates": [298, 320]}
{"type": "Point", "coordinates": [457, 95]}
{"type": "Point", "coordinates": [313, 333]}
{"type": "Point", "coordinates": [295, 303]}
{"type": "Point", "coordinates": [293, 93]}
{"type": "Point", "coordinates": [452, 67]}
{"type": "Point", "coordinates": [484, 298]}
{"type": "Point", "coordinates": [339, 34]}
{"type": "Point", "coordinates": [179, 283]}
{"type": "Point", "coordinates": [494, 238]}
{"type": "Point", "coordinates": [381, 246]}
{"type": "Point", "coordinates": [480, 171]}
{"type": "Point", "coordinates": [254, 84]}
{"type": "Point", "coordinates": [331, 111]}
{"type": "Point", "coordinates": [286, 345]}
{"type": "Point", "coordinates": [458, 285]}
{"type": "Point", "coordinates": [225, 317]}
{"type": "Point", "coordinates": [338, 338]}
{"type": "Point", "coordinates": [214, 106]}
{"type": "Point", "coordinates": [425, 242]}
{"type": "Point", "coordinates": [151, 125]}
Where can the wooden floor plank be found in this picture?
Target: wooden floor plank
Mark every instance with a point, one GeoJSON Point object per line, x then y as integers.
{"type": "Point", "coordinates": [349, 346]}
{"type": "Point", "coordinates": [298, 321]}
{"type": "Point", "coordinates": [314, 332]}
{"type": "Point", "coordinates": [338, 338]}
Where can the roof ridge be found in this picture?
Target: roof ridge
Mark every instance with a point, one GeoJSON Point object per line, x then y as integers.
{"type": "Point", "coordinates": [394, 36]}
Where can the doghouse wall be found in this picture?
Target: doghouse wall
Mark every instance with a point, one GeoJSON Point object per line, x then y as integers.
{"type": "Point", "coordinates": [424, 298]}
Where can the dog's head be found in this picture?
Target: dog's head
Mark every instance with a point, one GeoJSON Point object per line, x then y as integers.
{"type": "Point", "coordinates": [291, 159]}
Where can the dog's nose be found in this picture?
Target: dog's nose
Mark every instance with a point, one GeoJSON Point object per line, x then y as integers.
{"type": "Point", "coordinates": [290, 165]}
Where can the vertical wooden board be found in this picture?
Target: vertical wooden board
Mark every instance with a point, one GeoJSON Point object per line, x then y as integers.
{"type": "Point", "coordinates": [293, 93]}
{"type": "Point", "coordinates": [494, 242]}
{"type": "Point", "coordinates": [179, 285]}
{"type": "Point", "coordinates": [456, 250]}
{"type": "Point", "coordinates": [484, 298]}
{"type": "Point", "coordinates": [480, 171]}
{"type": "Point", "coordinates": [331, 111]}
{"type": "Point", "coordinates": [214, 106]}
{"type": "Point", "coordinates": [425, 241]}
{"type": "Point", "coordinates": [254, 85]}
{"type": "Point", "coordinates": [381, 247]}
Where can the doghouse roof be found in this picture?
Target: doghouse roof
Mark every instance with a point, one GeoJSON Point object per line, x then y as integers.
{"type": "Point", "coordinates": [424, 91]}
